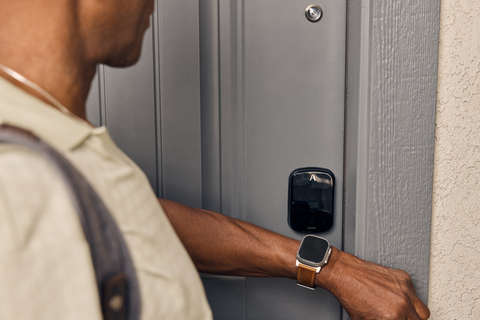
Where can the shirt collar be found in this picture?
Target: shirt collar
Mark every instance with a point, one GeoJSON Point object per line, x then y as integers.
{"type": "Point", "coordinates": [19, 108]}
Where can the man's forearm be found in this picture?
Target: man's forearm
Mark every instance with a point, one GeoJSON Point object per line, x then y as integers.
{"type": "Point", "coordinates": [222, 245]}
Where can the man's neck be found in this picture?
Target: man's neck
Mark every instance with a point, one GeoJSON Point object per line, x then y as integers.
{"type": "Point", "coordinates": [50, 57]}
{"type": "Point", "coordinates": [74, 102]}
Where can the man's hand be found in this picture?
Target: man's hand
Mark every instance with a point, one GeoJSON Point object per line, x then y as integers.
{"type": "Point", "coordinates": [369, 291]}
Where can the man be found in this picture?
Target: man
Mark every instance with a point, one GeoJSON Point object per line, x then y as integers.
{"type": "Point", "coordinates": [45, 266]}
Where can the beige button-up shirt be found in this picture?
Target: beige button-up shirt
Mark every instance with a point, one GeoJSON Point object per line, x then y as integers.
{"type": "Point", "coordinates": [45, 266]}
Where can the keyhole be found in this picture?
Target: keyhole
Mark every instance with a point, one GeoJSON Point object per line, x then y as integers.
{"type": "Point", "coordinates": [313, 13]}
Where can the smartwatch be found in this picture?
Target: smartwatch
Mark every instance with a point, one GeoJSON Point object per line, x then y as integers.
{"type": "Point", "coordinates": [312, 255]}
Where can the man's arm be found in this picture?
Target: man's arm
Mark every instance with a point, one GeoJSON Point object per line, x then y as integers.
{"type": "Point", "coordinates": [222, 245]}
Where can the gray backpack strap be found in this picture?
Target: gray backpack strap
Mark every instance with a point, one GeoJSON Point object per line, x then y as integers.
{"type": "Point", "coordinates": [116, 278]}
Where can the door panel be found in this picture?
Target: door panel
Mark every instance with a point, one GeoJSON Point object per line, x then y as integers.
{"type": "Point", "coordinates": [288, 112]}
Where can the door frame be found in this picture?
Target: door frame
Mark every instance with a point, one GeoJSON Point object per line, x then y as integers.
{"type": "Point", "coordinates": [392, 54]}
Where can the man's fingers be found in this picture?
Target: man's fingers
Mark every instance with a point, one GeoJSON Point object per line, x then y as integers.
{"type": "Point", "coordinates": [421, 309]}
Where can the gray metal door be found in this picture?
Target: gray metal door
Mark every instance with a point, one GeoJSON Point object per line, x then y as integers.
{"type": "Point", "coordinates": [229, 98]}
{"type": "Point", "coordinates": [281, 108]}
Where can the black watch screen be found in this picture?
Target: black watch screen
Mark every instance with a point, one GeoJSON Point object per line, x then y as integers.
{"type": "Point", "coordinates": [313, 250]}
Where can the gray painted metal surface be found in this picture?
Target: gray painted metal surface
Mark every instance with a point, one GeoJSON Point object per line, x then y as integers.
{"type": "Point", "coordinates": [282, 78]}
{"type": "Point", "coordinates": [179, 101]}
{"type": "Point", "coordinates": [261, 77]}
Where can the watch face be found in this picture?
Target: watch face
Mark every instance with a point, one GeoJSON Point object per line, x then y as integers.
{"type": "Point", "coordinates": [313, 250]}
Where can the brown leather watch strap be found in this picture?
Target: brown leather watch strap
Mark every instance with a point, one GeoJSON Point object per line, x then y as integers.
{"type": "Point", "coordinates": [306, 275]}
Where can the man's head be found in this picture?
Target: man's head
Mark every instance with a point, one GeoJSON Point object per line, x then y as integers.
{"type": "Point", "coordinates": [100, 31]}
{"type": "Point", "coordinates": [58, 43]}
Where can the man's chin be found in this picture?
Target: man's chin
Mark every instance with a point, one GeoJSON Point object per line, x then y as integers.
{"type": "Point", "coordinates": [125, 58]}
{"type": "Point", "coordinates": [123, 62]}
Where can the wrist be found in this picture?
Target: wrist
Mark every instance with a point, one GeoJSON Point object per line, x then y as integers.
{"type": "Point", "coordinates": [325, 278]}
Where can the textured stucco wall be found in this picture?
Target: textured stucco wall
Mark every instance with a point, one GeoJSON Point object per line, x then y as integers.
{"type": "Point", "coordinates": [454, 291]}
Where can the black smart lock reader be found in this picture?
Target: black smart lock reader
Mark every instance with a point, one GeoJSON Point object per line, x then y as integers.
{"type": "Point", "coordinates": [310, 200]}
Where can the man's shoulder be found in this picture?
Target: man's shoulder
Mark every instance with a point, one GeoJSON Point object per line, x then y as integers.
{"type": "Point", "coordinates": [18, 163]}
{"type": "Point", "coordinates": [26, 176]}
{"type": "Point", "coordinates": [33, 198]}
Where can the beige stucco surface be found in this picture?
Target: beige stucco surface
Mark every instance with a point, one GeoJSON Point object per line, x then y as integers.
{"type": "Point", "coordinates": [454, 291]}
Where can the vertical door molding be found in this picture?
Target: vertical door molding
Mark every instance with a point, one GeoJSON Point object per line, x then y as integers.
{"type": "Point", "coordinates": [390, 114]}
{"type": "Point", "coordinates": [210, 104]}
{"type": "Point", "coordinates": [178, 104]}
